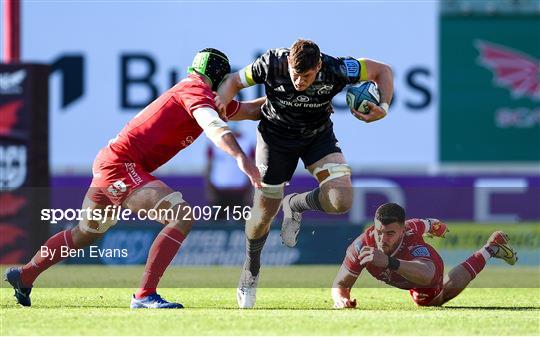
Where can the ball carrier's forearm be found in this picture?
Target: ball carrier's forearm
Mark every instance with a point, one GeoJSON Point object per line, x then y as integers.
{"type": "Point", "coordinates": [385, 81]}
{"type": "Point", "coordinates": [382, 75]}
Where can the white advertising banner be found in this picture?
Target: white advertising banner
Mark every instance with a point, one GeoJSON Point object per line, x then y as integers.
{"type": "Point", "coordinates": [110, 58]}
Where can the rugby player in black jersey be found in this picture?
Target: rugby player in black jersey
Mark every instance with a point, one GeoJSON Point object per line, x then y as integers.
{"type": "Point", "coordinates": [300, 83]}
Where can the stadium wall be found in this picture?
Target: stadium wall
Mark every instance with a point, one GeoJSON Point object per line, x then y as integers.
{"type": "Point", "coordinates": [106, 70]}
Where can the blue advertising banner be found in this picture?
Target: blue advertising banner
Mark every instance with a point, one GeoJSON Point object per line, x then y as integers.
{"type": "Point", "coordinates": [480, 198]}
{"type": "Point", "coordinates": [223, 244]}
{"type": "Point", "coordinates": [484, 203]}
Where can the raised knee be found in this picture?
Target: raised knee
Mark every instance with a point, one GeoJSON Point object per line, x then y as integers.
{"type": "Point", "coordinates": [83, 237]}
{"type": "Point", "coordinates": [339, 208]}
{"type": "Point", "coordinates": [338, 201]}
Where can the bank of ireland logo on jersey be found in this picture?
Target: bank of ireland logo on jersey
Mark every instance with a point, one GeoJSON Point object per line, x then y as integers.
{"type": "Point", "coordinates": [302, 98]}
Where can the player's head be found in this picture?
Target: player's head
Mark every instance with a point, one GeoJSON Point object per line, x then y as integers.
{"type": "Point", "coordinates": [304, 63]}
{"type": "Point", "coordinates": [389, 226]}
{"type": "Point", "coordinates": [212, 64]}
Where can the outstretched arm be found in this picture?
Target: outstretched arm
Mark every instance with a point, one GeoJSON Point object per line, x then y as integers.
{"type": "Point", "coordinates": [341, 289]}
{"type": "Point", "coordinates": [221, 135]}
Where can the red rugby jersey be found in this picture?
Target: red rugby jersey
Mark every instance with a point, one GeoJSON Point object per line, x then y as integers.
{"type": "Point", "coordinates": [165, 126]}
{"type": "Point", "coordinates": [411, 247]}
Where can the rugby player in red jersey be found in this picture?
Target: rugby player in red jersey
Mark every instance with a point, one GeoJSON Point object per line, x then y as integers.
{"type": "Point", "coordinates": [393, 251]}
{"type": "Point", "coordinates": [122, 174]}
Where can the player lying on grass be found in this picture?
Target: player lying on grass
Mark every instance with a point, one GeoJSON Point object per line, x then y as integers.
{"type": "Point", "coordinates": [393, 251]}
{"type": "Point", "coordinates": [121, 174]}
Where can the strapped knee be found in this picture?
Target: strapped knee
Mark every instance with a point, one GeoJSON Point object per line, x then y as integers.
{"type": "Point", "coordinates": [272, 191]}
{"type": "Point", "coordinates": [331, 171]}
{"type": "Point", "coordinates": [170, 201]}
{"type": "Point", "coordinates": [103, 226]}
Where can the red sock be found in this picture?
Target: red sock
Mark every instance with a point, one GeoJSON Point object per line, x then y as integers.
{"type": "Point", "coordinates": [476, 262]}
{"type": "Point", "coordinates": [161, 253]}
{"type": "Point", "coordinates": [43, 259]}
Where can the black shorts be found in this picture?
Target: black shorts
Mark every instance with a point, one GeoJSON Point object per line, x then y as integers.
{"type": "Point", "coordinates": [277, 157]}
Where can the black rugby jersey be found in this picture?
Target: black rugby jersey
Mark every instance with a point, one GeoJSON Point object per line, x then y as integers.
{"type": "Point", "coordinates": [297, 114]}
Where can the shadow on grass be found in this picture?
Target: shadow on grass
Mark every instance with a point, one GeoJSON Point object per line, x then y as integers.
{"type": "Point", "coordinates": [491, 308]}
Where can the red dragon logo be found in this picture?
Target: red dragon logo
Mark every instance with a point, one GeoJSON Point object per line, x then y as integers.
{"type": "Point", "coordinates": [8, 116]}
{"type": "Point", "coordinates": [11, 204]}
{"type": "Point", "coordinates": [12, 242]}
{"type": "Point", "coordinates": [13, 239]}
{"type": "Point", "coordinates": [514, 70]}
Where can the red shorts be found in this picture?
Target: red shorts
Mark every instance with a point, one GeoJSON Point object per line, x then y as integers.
{"type": "Point", "coordinates": [429, 296]}
{"type": "Point", "coordinates": [425, 296]}
{"type": "Point", "coordinates": [113, 181]}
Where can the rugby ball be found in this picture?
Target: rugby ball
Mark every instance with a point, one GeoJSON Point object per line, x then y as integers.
{"type": "Point", "coordinates": [358, 95]}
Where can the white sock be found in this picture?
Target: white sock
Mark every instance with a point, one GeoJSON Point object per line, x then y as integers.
{"type": "Point", "coordinates": [485, 253]}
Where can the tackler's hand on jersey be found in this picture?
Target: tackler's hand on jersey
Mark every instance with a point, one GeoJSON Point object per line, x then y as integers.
{"type": "Point", "coordinates": [221, 107]}
{"type": "Point", "coordinates": [376, 112]}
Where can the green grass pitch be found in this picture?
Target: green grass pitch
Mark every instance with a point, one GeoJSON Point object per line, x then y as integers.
{"type": "Point", "coordinates": [291, 301]}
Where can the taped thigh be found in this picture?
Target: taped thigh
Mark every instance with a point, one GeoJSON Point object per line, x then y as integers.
{"type": "Point", "coordinates": [331, 171]}
{"type": "Point", "coordinates": [103, 226]}
{"type": "Point", "coordinates": [169, 203]}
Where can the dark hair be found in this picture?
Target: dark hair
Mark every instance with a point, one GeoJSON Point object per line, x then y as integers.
{"type": "Point", "coordinates": [389, 213]}
{"type": "Point", "coordinates": [304, 55]}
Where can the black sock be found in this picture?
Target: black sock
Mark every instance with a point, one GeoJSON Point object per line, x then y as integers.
{"type": "Point", "coordinates": [306, 201]}
{"type": "Point", "coordinates": [253, 254]}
